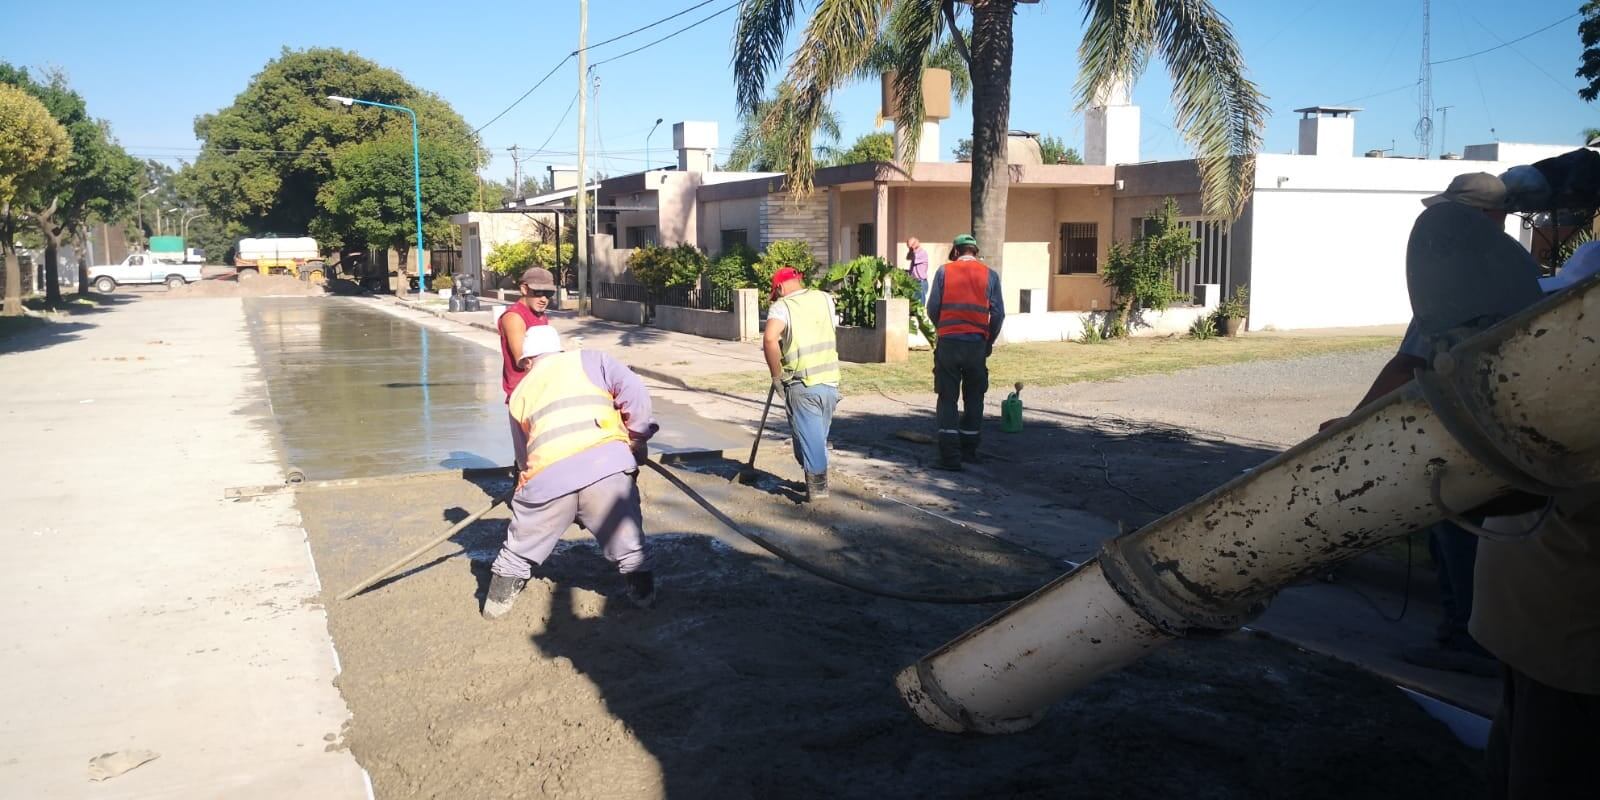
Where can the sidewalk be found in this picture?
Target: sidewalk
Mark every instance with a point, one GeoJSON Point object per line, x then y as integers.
{"type": "Point", "coordinates": [144, 612]}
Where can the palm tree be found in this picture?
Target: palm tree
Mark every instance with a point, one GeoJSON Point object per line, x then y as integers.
{"type": "Point", "coordinates": [1220, 112]}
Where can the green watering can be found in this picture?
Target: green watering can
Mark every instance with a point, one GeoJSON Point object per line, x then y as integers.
{"type": "Point", "coordinates": [1011, 411]}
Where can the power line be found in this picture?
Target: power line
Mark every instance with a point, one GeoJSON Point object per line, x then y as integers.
{"type": "Point", "coordinates": [690, 26]}
{"type": "Point", "coordinates": [524, 96]}
{"type": "Point", "coordinates": [648, 27]}
{"type": "Point", "coordinates": [563, 119]}
{"type": "Point", "coordinates": [1403, 87]}
{"type": "Point", "coordinates": [1503, 43]}
{"type": "Point", "coordinates": [1553, 79]}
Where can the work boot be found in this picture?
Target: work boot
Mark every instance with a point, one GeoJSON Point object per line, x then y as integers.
{"type": "Point", "coordinates": [816, 486]}
{"type": "Point", "coordinates": [640, 588]}
{"type": "Point", "coordinates": [502, 595]}
{"type": "Point", "coordinates": [969, 449]}
{"type": "Point", "coordinates": [949, 452]}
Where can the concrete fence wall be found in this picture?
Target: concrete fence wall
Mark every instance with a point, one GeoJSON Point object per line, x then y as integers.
{"type": "Point", "coordinates": [1066, 326]}
{"type": "Point", "coordinates": [742, 324]}
{"type": "Point", "coordinates": [626, 311]}
{"type": "Point", "coordinates": [885, 344]}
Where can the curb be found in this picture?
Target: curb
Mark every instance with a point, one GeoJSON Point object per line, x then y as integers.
{"type": "Point", "coordinates": [445, 313]}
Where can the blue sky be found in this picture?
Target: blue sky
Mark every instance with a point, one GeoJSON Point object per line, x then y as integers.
{"type": "Point", "coordinates": [480, 57]}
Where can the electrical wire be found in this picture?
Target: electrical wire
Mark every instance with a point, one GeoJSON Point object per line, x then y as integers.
{"type": "Point", "coordinates": [647, 27]}
{"type": "Point", "coordinates": [557, 128]}
{"type": "Point", "coordinates": [685, 28]}
{"type": "Point", "coordinates": [524, 96]}
{"type": "Point", "coordinates": [1503, 42]}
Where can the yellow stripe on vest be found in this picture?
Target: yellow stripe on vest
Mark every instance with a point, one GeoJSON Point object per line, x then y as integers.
{"type": "Point", "coordinates": [811, 355]}
{"type": "Point", "coordinates": [563, 412]}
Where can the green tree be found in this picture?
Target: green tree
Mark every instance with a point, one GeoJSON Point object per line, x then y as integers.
{"type": "Point", "coordinates": [1055, 151]}
{"type": "Point", "coordinates": [1589, 61]}
{"type": "Point", "coordinates": [868, 148]}
{"type": "Point", "coordinates": [265, 159]}
{"type": "Point", "coordinates": [98, 181]}
{"type": "Point", "coordinates": [963, 149]}
{"type": "Point", "coordinates": [1141, 272]}
{"type": "Point", "coordinates": [1219, 110]}
{"type": "Point", "coordinates": [34, 148]}
{"type": "Point", "coordinates": [370, 197]}
{"type": "Point", "coordinates": [1590, 134]}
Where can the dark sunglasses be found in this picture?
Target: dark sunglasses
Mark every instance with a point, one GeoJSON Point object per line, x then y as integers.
{"type": "Point", "coordinates": [545, 293]}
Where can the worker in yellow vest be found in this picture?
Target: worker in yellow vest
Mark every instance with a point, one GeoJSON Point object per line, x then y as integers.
{"type": "Point", "coordinates": [804, 361]}
{"type": "Point", "coordinates": [587, 418]}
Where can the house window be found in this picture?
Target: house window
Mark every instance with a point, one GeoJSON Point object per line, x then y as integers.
{"type": "Point", "coordinates": [735, 237]}
{"type": "Point", "coordinates": [1080, 246]}
{"type": "Point", "coordinates": [1144, 226]}
{"type": "Point", "coordinates": [641, 235]}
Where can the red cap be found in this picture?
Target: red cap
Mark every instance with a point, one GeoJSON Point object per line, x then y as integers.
{"type": "Point", "coordinates": [782, 276]}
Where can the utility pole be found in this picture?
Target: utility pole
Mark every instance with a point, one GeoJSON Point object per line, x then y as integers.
{"type": "Point", "coordinates": [516, 172]}
{"type": "Point", "coordinates": [1444, 130]}
{"type": "Point", "coordinates": [1424, 128]}
{"type": "Point", "coordinates": [582, 245]}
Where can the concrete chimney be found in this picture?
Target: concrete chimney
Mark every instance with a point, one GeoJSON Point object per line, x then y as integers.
{"type": "Point", "coordinates": [1111, 128]}
{"type": "Point", "coordinates": [1328, 131]}
{"type": "Point", "coordinates": [935, 107]}
{"type": "Point", "coordinates": [563, 178]}
{"type": "Point", "coordinates": [696, 143]}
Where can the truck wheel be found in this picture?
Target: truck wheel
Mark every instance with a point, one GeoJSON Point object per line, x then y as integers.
{"type": "Point", "coordinates": [175, 282]}
{"type": "Point", "coordinates": [252, 271]}
{"type": "Point", "coordinates": [315, 272]}
{"type": "Point", "coordinates": [105, 285]}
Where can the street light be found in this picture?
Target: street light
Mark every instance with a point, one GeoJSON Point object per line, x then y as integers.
{"type": "Point", "coordinates": [416, 178]}
{"type": "Point", "coordinates": [193, 215]}
{"type": "Point", "coordinates": [138, 207]}
{"type": "Point", "coordinates": [647, 143]}
{"type": "Point", "coordinates": [158, 216]}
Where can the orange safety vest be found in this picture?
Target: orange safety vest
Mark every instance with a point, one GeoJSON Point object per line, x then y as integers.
{"type": "Point", "coordinates": [964, 306]}
{"type": "Point", "coordinates": [563, 412]}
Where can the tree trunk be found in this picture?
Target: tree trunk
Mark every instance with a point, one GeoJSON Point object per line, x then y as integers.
{"type": "Point", "coordinates": [52, 268]}
{"type": "Point", "coordinates": [12, 305]}
{"type": "Point", "coordinates": [991, 121]}
{"type": "Point", "coordinates": [402, 285]}
{"type": "Point", "coordinates": [81, 244]}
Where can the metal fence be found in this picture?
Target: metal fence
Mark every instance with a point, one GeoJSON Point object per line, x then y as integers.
{"type": "Point", "coordinates": [705, 298]}
{"type": "Point", "coordinates": [1212, 261]}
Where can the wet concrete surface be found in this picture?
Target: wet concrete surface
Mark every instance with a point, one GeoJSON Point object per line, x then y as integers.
{"type": "Point", "coordinates": [357, 393]}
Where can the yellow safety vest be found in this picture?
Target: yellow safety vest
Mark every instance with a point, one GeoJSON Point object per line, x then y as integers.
{"type": "Point", "coordinates": [811, 354]}
{"type": "Point", "coordinates": [563, 412]}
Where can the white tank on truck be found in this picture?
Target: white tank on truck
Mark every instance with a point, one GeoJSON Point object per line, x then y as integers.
{"type": "Point", "coordinates": [297, 255]}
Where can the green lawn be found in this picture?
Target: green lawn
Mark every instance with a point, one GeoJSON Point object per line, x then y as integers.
{"type": "Point", "coordinates": [1057, 363]}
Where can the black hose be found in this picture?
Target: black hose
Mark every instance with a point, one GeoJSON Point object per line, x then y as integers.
{"type": "Point", "coordinates": [828, 575]}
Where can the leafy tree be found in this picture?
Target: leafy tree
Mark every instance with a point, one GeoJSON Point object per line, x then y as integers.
{"type": "Point", "coordinates": [1219, 110]}
{"type": "Point", "coordinates": [371, 197]}
{"type": "Point", "coordinates": [1590, 134]}
{"type": "Point", "coordinates": [963, 149]}
{"type": "Point", "coordinates": [1589, 62]}
{"type": "Point", "coordinates": [1055, 151]}
{"type": "Point", "coordinates": [265, 160]}
{"type": "Point", "coordinates": [868, 148]}
{"type": "Point", "coordinates": [34, 148]}
{"type": "Point", "coordinates": [510, 258]}
{"type": "Point", "coordinates": [97, 183]}
{"type": "Point", "coordinates": [1141, 272]}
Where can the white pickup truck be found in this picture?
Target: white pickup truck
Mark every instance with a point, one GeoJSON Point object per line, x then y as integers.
{"type": "Point", "coordinates": [142, 268]}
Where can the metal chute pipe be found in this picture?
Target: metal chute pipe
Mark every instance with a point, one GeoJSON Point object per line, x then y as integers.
{"type": "Point", "coordinates": [1526, 384]}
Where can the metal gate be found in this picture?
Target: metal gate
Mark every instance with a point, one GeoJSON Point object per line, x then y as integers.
{"type": "Point", "coordinates": [1212, 259]}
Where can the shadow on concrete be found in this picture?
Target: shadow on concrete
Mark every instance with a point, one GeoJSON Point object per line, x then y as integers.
{"type": "Point", "coordinates": [23, 334]}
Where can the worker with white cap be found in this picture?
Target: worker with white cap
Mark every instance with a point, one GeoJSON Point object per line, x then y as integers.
{"type": "Point", "coordinates": [587, 419]}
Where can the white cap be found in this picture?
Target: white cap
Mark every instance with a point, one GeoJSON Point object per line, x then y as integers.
{"type": "Point", "coordinates": [1585, 261]}
{"type": "Point", "coordinates": [540, 340]}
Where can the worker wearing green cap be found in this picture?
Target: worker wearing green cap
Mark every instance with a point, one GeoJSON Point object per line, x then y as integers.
{"type": "Point", "coordinates": [967, 310]}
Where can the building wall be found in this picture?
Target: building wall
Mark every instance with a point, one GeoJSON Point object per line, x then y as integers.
{"type": "Point", "coordinates": [785, 217]}
{"type": "Point", "coordinates": [1081, 292]}
{"type": "Point", "coordinates": [719, 215]}
{"type": "Point", "coordinates": [855, 208]}
{"type": "Point", "coordinates": [1328, 237]}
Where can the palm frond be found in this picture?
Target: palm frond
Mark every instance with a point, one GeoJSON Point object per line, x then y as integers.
{"type": "Point", "coordinates": [1219, 110]}
{"type": "Point", "coordinates": [837, 40]}
{"type": "Point", "coordinates": [758, 47]}
{"type": "Point", "coordinates": [1116, 43]}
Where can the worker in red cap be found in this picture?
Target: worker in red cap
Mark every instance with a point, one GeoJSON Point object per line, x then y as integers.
{"type": "Point", "coordinates": [538, 286]}
{"type": "Point", "coordinates": [804, 361]}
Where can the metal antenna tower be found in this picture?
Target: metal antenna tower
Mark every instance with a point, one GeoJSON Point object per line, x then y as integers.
{"type": "Point", "coordinates": [1425, 87]}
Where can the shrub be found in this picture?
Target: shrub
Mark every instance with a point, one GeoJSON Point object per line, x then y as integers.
{"type": "Point", "coordinates": [442, 282]}
{"type": "Point", "coordinates": [856, 286]}
{"type": "Point", "coordinates": [784, 253]}
{"type": "Point", "coordinates": [734, 269]}
{"type": "Point", "coordinates": [1141, 272]}
{"type": "Point", "coordinates": [661, 267]}
{"type": "Point", "coordinates": [1091, 330]}
{"type": "Point", "coordinates": [510, 258]}
{"type": "Point", "coordinates": [1203, 327]}
{"type": "Point", "coordinates": [1237, 306]}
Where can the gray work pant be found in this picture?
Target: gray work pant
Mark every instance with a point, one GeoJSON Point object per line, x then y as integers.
{"type": "Point", "coordinates": [960, 372]}
{"type": "Point", "coordinates": [608, 508]}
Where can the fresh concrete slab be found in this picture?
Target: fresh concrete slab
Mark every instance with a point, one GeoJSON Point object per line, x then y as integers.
{"type": "Point", "coordinates": [144, 612]}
